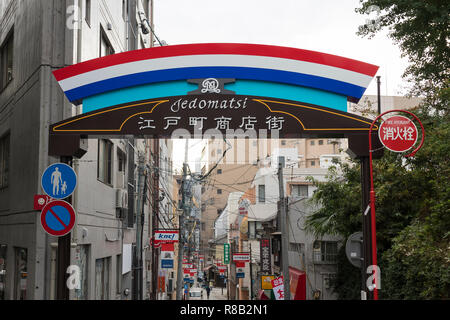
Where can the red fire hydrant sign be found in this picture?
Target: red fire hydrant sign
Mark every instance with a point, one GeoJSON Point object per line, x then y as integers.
{"type": "Point", "coordinates": [398, 133]}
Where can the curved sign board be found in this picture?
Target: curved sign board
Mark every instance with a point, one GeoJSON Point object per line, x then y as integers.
{"type": "Point", "coordinates": [214, 113]}
{"type": "Point", "coordinates": [254, 70]}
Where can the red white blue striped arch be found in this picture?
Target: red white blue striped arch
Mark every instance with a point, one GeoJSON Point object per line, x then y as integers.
{"type": "Point", "coordinates": [217, 60]}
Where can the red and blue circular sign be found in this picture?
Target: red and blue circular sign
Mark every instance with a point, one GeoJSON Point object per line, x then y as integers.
{"type": "Point", "coordinates": [58, 218]}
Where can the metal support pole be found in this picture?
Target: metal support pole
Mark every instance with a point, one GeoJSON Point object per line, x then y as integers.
{"type": "Point", "coordinates": [366, 226]}
{"type": "Point", "coordinates": [63, 255]}
{"type": "Point", "coordinates": [284, 235]}
{"type": "Point", "coordinates": [379, 94]}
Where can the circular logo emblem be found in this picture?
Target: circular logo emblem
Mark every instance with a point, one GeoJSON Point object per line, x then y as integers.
{"type": "Point", "coordinates": [398, 134]}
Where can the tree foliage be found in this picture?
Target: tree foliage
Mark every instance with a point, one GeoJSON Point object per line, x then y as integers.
{"type": "Point", "coordinates": [412, 194]}
{"type": "Point", "coordinates": [421, 29]}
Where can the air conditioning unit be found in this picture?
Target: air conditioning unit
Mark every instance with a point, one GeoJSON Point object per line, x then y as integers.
{"type": "Point", "coordinates": [120, 180]}
{"type": "Point", "coordinates": [121, 198]}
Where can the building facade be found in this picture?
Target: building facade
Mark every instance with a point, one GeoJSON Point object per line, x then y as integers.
{"type": "Point", "coordinates": [109, 197]}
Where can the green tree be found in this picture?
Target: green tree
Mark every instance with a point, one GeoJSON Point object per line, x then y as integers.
{"type": "Point", "coordinates": [413, 195]}
{"type": "Point", "coordinates": [412, 214]}
{"type": "Point", "coordinates": [421, 30]}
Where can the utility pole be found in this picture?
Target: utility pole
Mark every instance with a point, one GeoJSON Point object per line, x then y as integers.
{"type": "Point", "coordinates": [138, 257]}
{"type": "Point", "coordinates": [284, 235]}
{"type": "Point", "coordinates": [181, 225]}
{"type": "Point", "coordinates": [141, 260]}
{"type": "Point", "coordinates": [251, 274]}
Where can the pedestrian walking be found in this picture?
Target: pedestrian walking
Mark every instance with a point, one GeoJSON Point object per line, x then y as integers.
{"type": "Point", "coordinates": [208, 291]}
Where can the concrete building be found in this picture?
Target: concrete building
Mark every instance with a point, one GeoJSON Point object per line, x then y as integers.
{"type": "Point", "coordinates": [36, 38]}
{"type": "Point", "coordinates": [315, 257]}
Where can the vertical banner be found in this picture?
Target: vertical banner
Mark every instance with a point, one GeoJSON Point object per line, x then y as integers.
{"type": "Point", "coordinates": [226, 253]}
{"type": "Point", "coordinates": [278, 288]}
{"type": "Point", "coordinates": [266, 264]}
{"type": "Point", "coordinates": [161, 284]}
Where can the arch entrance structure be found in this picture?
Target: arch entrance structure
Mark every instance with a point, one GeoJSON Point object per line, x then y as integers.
{"type": "Point", "coordinates": [230, 89]}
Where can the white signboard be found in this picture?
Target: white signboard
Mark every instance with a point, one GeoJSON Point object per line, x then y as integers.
{"type": "Point", "coordinates": [126, 258]}
{"type": "Point", "coordinates": [242, 257]}
{"type": "Point", "coordinates": [164, 236]}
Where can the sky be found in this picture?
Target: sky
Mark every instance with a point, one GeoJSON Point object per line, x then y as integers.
{"type": "Point", "coordinates": [327, 26]}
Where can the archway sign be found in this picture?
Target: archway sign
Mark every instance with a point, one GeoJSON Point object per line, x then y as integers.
{"type": "Point", "coordinates": [221, 90]}
{"type": "Point", "coordinates": [209, 89]}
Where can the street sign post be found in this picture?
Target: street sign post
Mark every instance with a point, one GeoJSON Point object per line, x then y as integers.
{"type": "Point", "coordinates": [58, 218]}
{"type": "Point", "coordinates": [399, 135]}
{"type": "Point", "coordinates": [59, 181]}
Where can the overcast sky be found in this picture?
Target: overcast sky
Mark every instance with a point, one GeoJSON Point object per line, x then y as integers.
{"type": "Point", "coordinates": [327, 26]}
{"type": "Point", "coordinates": [321, 25]}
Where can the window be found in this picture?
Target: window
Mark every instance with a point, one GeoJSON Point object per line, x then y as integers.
{"type": "Point", "coordinates": [219, 191]}
{"type": "Point", "coordinates": [296, 247]}
{"type": "Point", "coordinates": [6, 61]}
{"type": "Point", "coordinates": [261, 193]}
{"type": "Point", "coordinates": [121, 165]}
{"type": "Point", "coordinates": [219, 171]}
{"type": "Point", "coordinates": [299, 190]}
{"type": "Point", "coordinates": [3, 248]}
{"type": "Point", "coordinates": [320, 142]}
{"type": "Point", "coordinates": [102, 267]}
{"type": "Point", "coordinates": [283, 142]}
{"type": "Point", "coordinates": [312, 142]}
{"type": "Point", "coordinates": [313, 163]}
{"type": "Point", "coordinates": [87, 14]}
{"type": "Point", "coordinates": [121, 160]}
{"type": "Point", "coordinates": [325, 251]}
{"type": "Point", "coordinates": [329, 279]}
{"type": "Point", "coordinates": [21, 274]}
{"type": "Point", "coordinates": [104, 166]}
{"type": "Point", "coordinates": [4, 161]}
{"type": "Point", "coordinates": [105, 46]}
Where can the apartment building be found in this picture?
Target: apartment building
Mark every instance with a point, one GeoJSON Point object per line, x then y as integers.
{"type": "Point", "coordinates": [36, 38]}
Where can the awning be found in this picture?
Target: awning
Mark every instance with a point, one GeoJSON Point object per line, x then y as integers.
{"type": "Point", "coordinates": [298, 284]}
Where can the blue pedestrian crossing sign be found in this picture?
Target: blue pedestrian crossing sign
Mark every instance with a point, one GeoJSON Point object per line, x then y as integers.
{"type": "Point", "coordinates": [59, 181]}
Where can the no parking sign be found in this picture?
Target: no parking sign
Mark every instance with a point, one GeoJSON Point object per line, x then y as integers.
{"type": "Point", "coordinates": [58, 218]}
